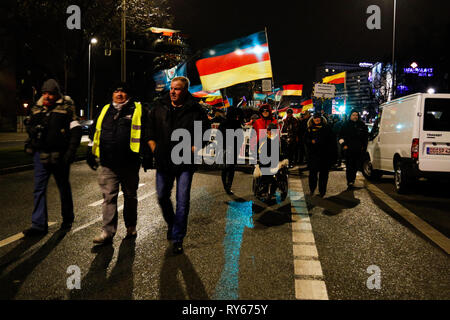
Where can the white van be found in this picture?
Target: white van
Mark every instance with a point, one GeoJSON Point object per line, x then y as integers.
{"type": "Point", "coordinates": [411, 139]}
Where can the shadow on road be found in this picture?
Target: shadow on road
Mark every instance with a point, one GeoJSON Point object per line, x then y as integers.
{"type": "Point", "coordinates": [170, 287]}
{"type": "Point", "coordinates": [16, 253]}
{"type": "Point", "coordinates": [119, 285]}
{"type": "Point", "coordinates": [272, 213]}
{"type": "Point", "coordinates": [11, 283]}
{"type": "Point", "coordinates": [336, 204]}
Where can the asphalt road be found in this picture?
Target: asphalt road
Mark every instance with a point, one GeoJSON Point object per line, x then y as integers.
{"type": "Point", "coordinates": [236, 247]}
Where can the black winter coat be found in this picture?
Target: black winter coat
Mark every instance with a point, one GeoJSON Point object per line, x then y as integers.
{"type": "Point", "coordinates": [323, 151]}
{"type": "Point", "coordinates": [355, 135]}
{"type": "Point", "coordinates": [54, 129]}
{"type": "Point", "coordinates": [163, 120]}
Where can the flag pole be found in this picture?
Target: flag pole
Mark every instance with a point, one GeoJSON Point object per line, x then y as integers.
{"type": "Point", "coordinates": [273, 81]}
{"type": "Point", "coordinates": [273, 88]}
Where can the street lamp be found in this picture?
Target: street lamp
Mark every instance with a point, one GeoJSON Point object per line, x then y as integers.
{"type": "Point", "coordinates": [393, 51]}
{"type": "Point", "coordinates": [431, 91]}
{"type": "Point", "coordinates": [123, 46]}
{"type": "Point", "coordinates": [92, 42]}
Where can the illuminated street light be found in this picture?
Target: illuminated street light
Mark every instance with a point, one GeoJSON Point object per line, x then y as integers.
{"type": "Point", "coordinates": [393, 53]}
{"type": "Point", "coordinates": [431, 91]}
{"type": "Point", "coordinates": [92, 42]}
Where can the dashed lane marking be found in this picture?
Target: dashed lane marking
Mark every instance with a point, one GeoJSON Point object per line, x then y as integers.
{"type": "Point", "coordinates": [100, 218]}
{"type": "Point", "coordinates": [18, 236]}
{"type": "Point", "coordinates": [438, 238]}
{"type": "Point", "coordinates": [99, 202]}
{"type": "Point", "coordinates": [306, 257]}
{"type": "Point", "coordinates": [310, 289]}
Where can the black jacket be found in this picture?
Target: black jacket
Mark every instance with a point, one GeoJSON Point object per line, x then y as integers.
{"type": "Point", "coordinates": [233, 123]}
{"type": "Point", "coordinates": [163, 120]}
{"type": "Point", "coordinates": [355, 135]}
{"type": "Point", "coordinates": [290, 127]}
{"type": "Point", "coordinates": [115, 136]}
{"type": "Point", "coordinates": [54, 129]}
{"type": "Point", "coordinates": [324, 148]}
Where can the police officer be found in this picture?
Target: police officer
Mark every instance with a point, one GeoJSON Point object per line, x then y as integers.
{"type": "Point", "coordinates": [54, 136]}
{"type": "Point", "coordinates": [116, 141]}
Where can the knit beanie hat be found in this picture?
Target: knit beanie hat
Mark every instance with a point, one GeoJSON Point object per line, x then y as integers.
{"type": "Point", "coordinates": [51, 86]}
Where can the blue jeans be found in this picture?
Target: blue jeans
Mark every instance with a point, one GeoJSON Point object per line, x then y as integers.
{"type": "Point", "coordinates": [42, 174]}
{"type": "Point", "coordinates": [176, 221]}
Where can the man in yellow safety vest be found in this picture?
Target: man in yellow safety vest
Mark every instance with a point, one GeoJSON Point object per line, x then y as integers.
{"type": "Point", "coordinates": [116, 141]}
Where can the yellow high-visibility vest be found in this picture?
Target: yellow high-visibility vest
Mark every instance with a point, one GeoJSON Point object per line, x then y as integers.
{"type": "Point", "coordinates": [135, 136]}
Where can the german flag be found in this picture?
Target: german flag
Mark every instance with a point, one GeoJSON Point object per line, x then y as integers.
{"type": "Point", "coordinates": [336, 78]}
{"type": "Point", "coordinates": [214, 101]}
{"type": "Point", "coordinates": [306, 105]}
{"type": "Point", "coordinates": [237, 61]}
{"type": "Point", "coordinates": [292, 90]}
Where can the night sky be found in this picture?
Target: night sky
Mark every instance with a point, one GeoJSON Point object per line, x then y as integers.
{"type": "Point", "coordinates": [305, 33]}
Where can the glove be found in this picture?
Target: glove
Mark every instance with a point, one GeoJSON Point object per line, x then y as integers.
{"type": "Point", "coordinates": [91, 160]}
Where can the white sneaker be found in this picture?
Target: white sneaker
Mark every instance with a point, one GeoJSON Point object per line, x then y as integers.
{"type": "Point", "coordinates": [104, 237]}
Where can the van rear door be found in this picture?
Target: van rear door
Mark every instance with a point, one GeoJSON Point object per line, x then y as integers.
{"type": "Point", "coordinates": [434, 141]}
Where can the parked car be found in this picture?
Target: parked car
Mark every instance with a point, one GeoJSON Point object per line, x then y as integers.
{"type": "Point", "coordinates": [411, 140]}
{"type": "Point", "coordinates": [85, 126]}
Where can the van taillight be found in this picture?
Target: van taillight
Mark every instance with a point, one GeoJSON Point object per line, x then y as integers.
{"type": "Point", "coordinates": [415, 149]}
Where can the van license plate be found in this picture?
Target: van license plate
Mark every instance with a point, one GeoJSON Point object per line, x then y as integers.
{"type": "Point", "coordinates": [438, 150]}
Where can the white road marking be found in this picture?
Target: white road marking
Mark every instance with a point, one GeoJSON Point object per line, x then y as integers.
{"type": "Point", "coordinates": [302, 237]}
{"type": "Point", "coordinates": [307, 268]}
{"type": "Point", "coordinates": [17, 236]}
{"type": "Point", "coordinates": [431, 233]}
{"type": "Point", "coordinates": [99, 202]}
{"type": "Point", "coordinates": [304, 248]}
{"type": "Point", "coordinates": [120, 208]}
{"type": "Point", "coordinates": [310, 290]}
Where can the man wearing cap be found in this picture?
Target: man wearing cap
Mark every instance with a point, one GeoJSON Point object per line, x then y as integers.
{"type": "Point", "coordinates": [289, 136]}
{"type": "Point", "coordinates": [54, 136]}
{"type": "Point", "coordinates": [321, 146]}
{"type": "Point", "coordinates": [116, 141]}
{"type": "Point", "coordinates": [260, 126]}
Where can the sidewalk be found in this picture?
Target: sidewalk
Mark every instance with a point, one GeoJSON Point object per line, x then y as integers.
{"type": "Point", "coordinates": [13, 136]}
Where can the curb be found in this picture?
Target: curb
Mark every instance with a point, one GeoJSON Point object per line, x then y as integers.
{"type": "Point", "coordinates": [27, 167]}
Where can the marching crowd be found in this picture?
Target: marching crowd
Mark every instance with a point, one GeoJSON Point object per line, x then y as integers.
{"type": "Point", "coordinates": [127, 135]}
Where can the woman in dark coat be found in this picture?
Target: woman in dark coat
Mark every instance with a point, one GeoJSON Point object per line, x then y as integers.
{"type": "Point", "coordinates": [321, 146]}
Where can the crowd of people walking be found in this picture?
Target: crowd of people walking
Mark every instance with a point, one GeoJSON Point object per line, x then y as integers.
{"type": "Point", "coordinates": [127, 135]}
